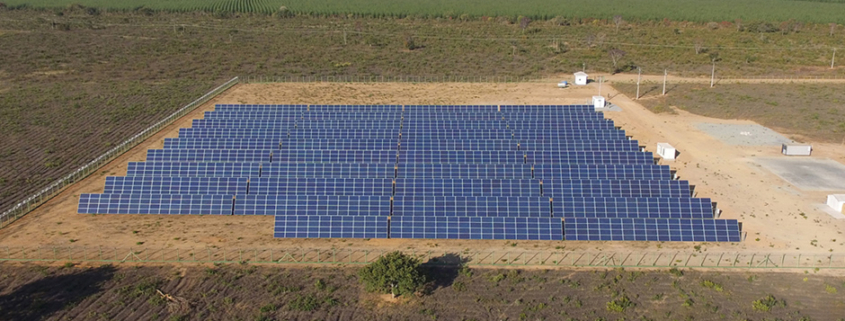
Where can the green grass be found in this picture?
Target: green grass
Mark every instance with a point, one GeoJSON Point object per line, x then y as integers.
{"type": "Point", "coordinates": [678, 10]}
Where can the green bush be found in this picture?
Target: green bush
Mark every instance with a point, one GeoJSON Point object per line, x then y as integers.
{"type": "Point", "coordinates": [395, 273]}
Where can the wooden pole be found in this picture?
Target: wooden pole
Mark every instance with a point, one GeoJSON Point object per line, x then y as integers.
{"type": "Point", "coordinates": [665, 72]}
{"type": "Point", "coordinates": [639, 75]}
{"type": "Point", "coordinates": [833, 59]}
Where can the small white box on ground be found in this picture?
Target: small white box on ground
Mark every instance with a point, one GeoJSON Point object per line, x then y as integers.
{"type": "Point", "coordinates": [836, 201]}
{"type": "Point", "coordinates": [580, 78]}
{"type": "Point", "coordinates": [796, 150]}
{"type": "Point", "coordinates": [598, 102]}
{"type": "Point", "coordinates": [666, 151]}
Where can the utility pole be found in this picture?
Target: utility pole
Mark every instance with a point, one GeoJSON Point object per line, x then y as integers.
{"type": "Point", "coordinates": [639, 74]}
{"type": "Point", "coordinates": [665, 72]}
{"type": "Point", "coordinates": [833, 59]}
{"type": "Point", "coordinates": [713, 74]}
{"type": "Point", "coordinates": [601, 80]}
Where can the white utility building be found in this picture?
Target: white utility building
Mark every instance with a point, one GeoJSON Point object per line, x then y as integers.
{"type": "Point", "coordinates": [836, 201]}
{"type": "Point", "coordinates": [580, 78]}
{"type": "Point", "coordinates": [666, 151]}
{"type": "Point", "coordinates": [598, 102]}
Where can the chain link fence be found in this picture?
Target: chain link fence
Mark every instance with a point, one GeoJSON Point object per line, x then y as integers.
{"type": "Point", "coordinates": [549, 259]}
{"type": "Point", "coordinates": [53, 189]}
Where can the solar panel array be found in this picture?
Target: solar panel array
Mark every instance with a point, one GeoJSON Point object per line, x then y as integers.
{"type": "Point", "coordinates": [417, 171]}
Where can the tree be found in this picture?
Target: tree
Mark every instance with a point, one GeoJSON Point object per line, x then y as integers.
{"type": "Point", "coordinates": [618, 21]}
{"type": "Point", "coordinates": [395, 273]}
{"type": "Point", "coordinates": [615, 54]}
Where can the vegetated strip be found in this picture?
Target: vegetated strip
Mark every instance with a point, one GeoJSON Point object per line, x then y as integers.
{"type": "Point", "coordinates": [820, 11]}
{"type": "Point", "coordinates": [30, 203]}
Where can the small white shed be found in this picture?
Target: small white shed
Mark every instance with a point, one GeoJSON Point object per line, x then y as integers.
{"type": "Point", "coordinates": [666, 151]}
{"type": "Point", "coordinates": [836, 201]}
{"type": "Point", "coordinates": [580, 78]}
{"type": "Point", "coordinates": [598, 102]}
{"type": "Point", "coordinates": [796, 150]}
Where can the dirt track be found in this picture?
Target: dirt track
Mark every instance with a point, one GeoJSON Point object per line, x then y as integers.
{"type": "Point", "coordinates": [768, 207]}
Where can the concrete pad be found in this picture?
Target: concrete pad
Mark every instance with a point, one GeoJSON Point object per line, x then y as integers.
{"type": "Point", "coordinates": [830, 211]}
{"type": "Point", "coordinates": [743, 135]}
{"type": "Point", "coordinates": [807, 173]}
{"type": "Point", "coordinates": [610, 107]}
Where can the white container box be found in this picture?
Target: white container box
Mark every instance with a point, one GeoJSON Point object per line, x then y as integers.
{"type": "Point", "coordinates": [836, 201]}
{"type": "Point", "coordinates": [796, 150]}
{"type": "Point", "coordinates": [598, 102]}
{"type": "Point", "coordinates": [581, 78]}
{"type": "Point", "coordinates": [666, 151]}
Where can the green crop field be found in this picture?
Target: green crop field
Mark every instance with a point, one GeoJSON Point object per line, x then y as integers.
{"type": "Point", "coordinates": [819, 11]}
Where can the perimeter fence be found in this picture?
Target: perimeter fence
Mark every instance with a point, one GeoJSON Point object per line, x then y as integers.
{"type": "Point", "coordinates": [53, 189]}
{"type": "Point", "coordinates": [391, 79]}
{"type": "Point", "coordinates": [333, 256]}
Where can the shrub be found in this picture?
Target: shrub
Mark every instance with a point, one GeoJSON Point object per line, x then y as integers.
{"type": "Point", "coordinates": [764, 304]}
{"type": "Point", "coordinates": [619, 305]}
{"type": "Point", "coordinates": [395, 273]}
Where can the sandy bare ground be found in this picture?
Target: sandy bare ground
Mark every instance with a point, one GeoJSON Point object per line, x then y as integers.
{"type": "Point", "coordinates": [767, 206]}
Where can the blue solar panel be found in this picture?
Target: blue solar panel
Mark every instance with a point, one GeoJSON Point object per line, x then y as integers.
{"type": "Point", "coordinates": [467, 187]}
{"type": "Point", "coordinates": [471, 206]}
{"type": "Point", "coordinates": [210, 155]}
{"type": "Point", "coordinates": [194, 169]}
{"type": "Point", "coordinates": [312, 205]}
{"type": "Point", "coordinates": [214, 143]}
{"type": "Point", "coordinates": [175, 185]}
{"type": "Point", "coordinates": [594, 171]}
{"type": "Point", "coordinates": [616, 188]}
{"type": "Point", "coordinates": [155, 204]}
{"type": "Point", "coordinates": [319, 186]}
{"type": "Point", "coordinates": [327, 226]}
{"type": "Point", "coordinates": [509, 144]}
{"type": "Point", "coordinates": [328, 170]}
{"type": "Point", "coordinates": [526, 157]}
{"type": "Point", "coordinates": [651, 229]}
{"type": "Point", "coordinates": [476, 228]}
{"type": "Point", "coordinates": [471, 171]}
{"type": "Point", "coordinates": [633, 207]}
{"type": "Point", "coordinates": [259, 107]}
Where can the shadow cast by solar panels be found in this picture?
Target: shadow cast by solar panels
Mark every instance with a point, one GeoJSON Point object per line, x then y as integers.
{"type": "Point", "coordinates": [485, 172]}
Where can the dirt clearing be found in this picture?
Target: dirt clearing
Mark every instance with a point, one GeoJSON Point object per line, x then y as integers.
{"type": "Point", "coordinates": [770, 209]}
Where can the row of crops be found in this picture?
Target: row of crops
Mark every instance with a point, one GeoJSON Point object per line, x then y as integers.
{"type": "Point", "coordinates": [818, 11]}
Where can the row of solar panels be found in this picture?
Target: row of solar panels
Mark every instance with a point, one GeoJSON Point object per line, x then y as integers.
{"type": "Point", "coordinates": [248, 133]}
{"type": "Point", "coordinates": [447, 123]}
{"type": "Point", "coordinates": [409, 117]}
{"type": "Point", "coordinates": [405, 156]}
{"type": "Point", "coordinates": [509, 228]}
{"type": "Point", "coordinates": [399, 186]}
{"type": "Point", "coordinates": [417, 205]}
{"type": "Point", "coordinates": [393, 144]}
{"type": "Point", "coordinates": [412, 170]}
{"type": "Point", "coordinates": [420, 108]}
